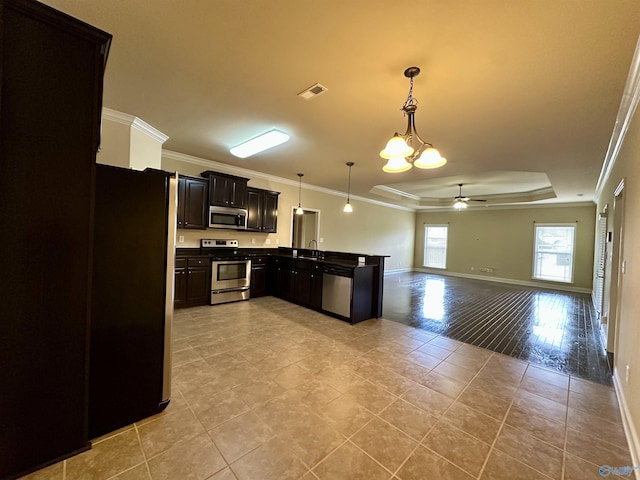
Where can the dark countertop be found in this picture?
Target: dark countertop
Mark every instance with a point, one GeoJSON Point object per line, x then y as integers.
{"type": "Point", "coordinates": [342, 259]}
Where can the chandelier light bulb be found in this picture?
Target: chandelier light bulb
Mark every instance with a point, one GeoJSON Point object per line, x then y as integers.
{"type": "Point", "coordinates": [347, 208]}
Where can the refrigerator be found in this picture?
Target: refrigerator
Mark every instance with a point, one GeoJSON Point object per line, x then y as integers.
{"type": "Point", "coordinates": [132, 296]}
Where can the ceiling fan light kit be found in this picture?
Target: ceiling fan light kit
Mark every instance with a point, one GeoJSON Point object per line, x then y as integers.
{"type": "Point", "coordinates": [400, 150]}
{"type": "Point", "coordinates": [461, 202]}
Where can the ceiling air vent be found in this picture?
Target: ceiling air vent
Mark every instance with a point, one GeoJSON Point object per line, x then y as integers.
{"type": "Point", "coordinates": [313, 91]}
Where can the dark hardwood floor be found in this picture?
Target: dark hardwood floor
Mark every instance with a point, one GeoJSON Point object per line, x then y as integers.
{"type": "Point", "coordinates": [553, 329]}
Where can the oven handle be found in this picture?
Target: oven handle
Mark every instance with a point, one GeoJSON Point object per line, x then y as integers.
{"type": "Point", "coordinates": [234, 289]}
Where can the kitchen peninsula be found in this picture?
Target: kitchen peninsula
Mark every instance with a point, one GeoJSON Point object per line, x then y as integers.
{"type": "Point", "coordinates": [347, 286]}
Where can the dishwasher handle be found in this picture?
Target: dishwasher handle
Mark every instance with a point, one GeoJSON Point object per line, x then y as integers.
{"type": "Point", "coordinates": [338, 271]}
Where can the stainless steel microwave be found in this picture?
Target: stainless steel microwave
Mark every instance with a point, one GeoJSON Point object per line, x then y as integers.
{"type": "Point", "coordinates": [225, 217]}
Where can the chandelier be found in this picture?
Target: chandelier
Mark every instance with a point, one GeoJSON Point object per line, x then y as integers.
{"type": "Point", "coordinates": [408, 149]}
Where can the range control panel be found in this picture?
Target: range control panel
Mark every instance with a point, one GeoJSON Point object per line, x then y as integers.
{"type": "Point", "coordinates": [218, 242]}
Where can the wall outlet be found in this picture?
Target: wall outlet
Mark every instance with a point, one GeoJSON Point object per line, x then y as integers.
{"type": "Point", "coordinates": [486, 270]}
{"type": "Point", "coordinates": [626, 375]}
{"type": "Point", "coordinates": [277, 241]}
{"type": "Point", "coordinates": [181, 239]}
{"type": "Point", "coordinates": [267, 241]}
{"type": "Point", "coordinates": [253, 241]}
{"type": "Point", "coordinates": [472, 269]}
{"type": "Point", "coordinates": [321, 240]}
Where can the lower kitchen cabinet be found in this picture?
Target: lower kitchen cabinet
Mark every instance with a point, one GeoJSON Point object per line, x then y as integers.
{"type": "Point", "coordinates": [299, 281]}
{"type": "Point", "coordinates": [259, 278]}
{"type": "Point", "coordinates": [315, 297]}
{"type": "Point", "coordinates": [192, 281]}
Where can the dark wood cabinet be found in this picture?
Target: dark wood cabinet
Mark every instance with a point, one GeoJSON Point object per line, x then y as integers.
{"type": "Point", "coordinates": [302, 282]}
{"type": "Point", "coordinates": [262, 208]}
{"type": "Point", "coordinates": [315, 297]}
{"type": "Point", "coordinates": [283, 281]}
{"type": "Point", "coordinates": [193, 203]}
{"type": "Point", "coordinates": [259, 276]}
{"type": "Point", "coordinates": [226, 190]}
{"type": "Point", "coordinates": [298, 280]}
{"type": "Point", "coordinates": [192, 281]}
{"type": "Point", "coordinates": [51, 71]}
{"type": "Point", "coordinates": [180, 283]}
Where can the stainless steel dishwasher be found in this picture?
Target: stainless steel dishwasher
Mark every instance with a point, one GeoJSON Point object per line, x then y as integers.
{"type": "Point", "coordinates": [336, 290]}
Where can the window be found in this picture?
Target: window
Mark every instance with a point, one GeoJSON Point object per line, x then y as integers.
{"type": "Point", "coordinates": [554, 248]}
{"type": "Point", "coordinates": [435, 246]}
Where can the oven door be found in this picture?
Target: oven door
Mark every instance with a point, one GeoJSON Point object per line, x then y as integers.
{"type": "Point", "coordinates": [230, 274]}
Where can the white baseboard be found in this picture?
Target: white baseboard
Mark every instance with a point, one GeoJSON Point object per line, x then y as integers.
{"type": "Point", "coordinates": [629, 428]}
{"type": "Point", "coordinates": [398, 270]}
{"type": "Point", "coordinates": [550, 286]}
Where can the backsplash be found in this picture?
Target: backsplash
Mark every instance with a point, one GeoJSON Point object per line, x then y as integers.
{"type": "Point", "coordinates": [245, 239]}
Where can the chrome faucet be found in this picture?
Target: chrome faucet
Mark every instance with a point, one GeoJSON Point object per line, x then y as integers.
{"type": "Point", "coordinates": [315, 242]}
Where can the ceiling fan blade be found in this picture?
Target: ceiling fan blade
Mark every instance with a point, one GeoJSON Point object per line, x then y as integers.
{"type": "Point", "coordinates": [475, 200]}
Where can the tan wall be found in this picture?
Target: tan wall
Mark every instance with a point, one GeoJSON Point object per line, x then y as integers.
{"type": "Point", "coordinates": [370, 229]}
{"type": "Point", "coordinates": [115, 144]}
{"type": "Point", "coordinates": [503, 240]}
{"type": "Point", "coordinates": [627, 334]}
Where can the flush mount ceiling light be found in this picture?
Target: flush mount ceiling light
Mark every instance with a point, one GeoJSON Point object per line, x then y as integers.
{"type": "Point", "coordinates": [347, 206]}
{"type": "Point", "coordinates": [299, 210]}
{"type": "Point", "coordinates": [260, 143]}
{"type": "Point", "coordinates": [408, 149]}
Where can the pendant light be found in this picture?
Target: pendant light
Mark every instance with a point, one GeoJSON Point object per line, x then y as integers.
{"type": "Point", "coordinates": [299, 210]}
{"type": "Point", "coordinates": [400, 152]}
{"type": "Point", "coordinates": [347, 206]}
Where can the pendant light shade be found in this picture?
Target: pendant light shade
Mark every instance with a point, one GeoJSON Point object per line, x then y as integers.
{"type": "Point", "coordinates": [299, 210]}
{"type": "Point", "coordinates": [430, 158]}
{"type": "Point", "coordinates": [396, 147]}
{"type": "Point", "coordinates": [406, 150]}
{"type": "Point", "coordinates": [347, 206]}
{"type": "Point", "coordinates": [396, 165]}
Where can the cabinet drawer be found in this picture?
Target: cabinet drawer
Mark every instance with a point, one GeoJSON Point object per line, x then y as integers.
{"type": "Point", "coordinates": [198, 261]}
{"type": "Point", "coordinates": [259, 260]}
{"type": "Point", "coordinates": [181, 263]}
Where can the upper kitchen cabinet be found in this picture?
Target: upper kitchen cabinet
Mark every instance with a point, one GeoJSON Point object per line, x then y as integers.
{"type": "Point", "coordinates": [226, 190]}
{"type": "Point", "coordinates": [193, 202]}
{"type": "Point", "coordinates": [262, 210]}
{"type": "Point", "coordinates": [51, 77]}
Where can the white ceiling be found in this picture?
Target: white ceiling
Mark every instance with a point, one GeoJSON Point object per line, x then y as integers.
{"type": "Point", "coordinates": [519, 95]}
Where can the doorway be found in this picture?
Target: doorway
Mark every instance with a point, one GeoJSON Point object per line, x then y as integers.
{"type": "Point", "coordinates": [305, 228]}
{"type": "Point", "coordinates": [617, 271]}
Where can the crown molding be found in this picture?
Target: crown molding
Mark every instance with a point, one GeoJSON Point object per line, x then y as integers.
{"type": "Point", "coordinates": [134, 122]}
{"type": "Point", "coordinates": [245, 172]}
{"type": "Point", "coordinates": [484, 208]}
{"type": "Point", "coordinates": [628, 105]}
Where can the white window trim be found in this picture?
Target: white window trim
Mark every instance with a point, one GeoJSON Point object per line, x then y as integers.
{"type": "Point", "coordinates": [424, 246]}
{"type": "Point", "coordinates": [573, 254]}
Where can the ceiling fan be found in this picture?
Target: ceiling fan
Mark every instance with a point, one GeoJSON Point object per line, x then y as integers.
{"type": "Point", "coordinates": [460, 202]}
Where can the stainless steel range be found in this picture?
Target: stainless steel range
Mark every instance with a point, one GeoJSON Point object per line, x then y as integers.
{"type": "Point", "coordinates": [230, 271]}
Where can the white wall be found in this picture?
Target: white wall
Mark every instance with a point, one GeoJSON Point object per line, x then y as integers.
{"type": "Point", "coordinates": [627, 334]}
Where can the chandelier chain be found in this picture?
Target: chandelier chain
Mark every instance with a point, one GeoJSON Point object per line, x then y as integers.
{"type": "Point", "coordinates": [410, 100]}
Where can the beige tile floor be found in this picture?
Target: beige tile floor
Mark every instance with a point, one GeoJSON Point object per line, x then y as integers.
{"type": "Point", "coordinates": [268, 390]}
